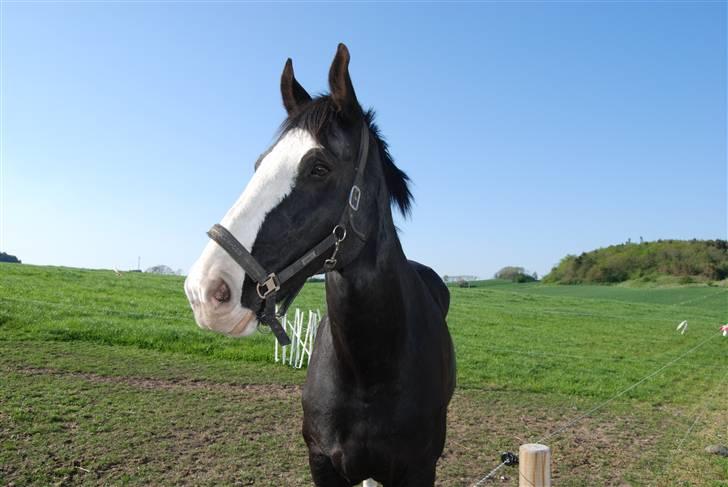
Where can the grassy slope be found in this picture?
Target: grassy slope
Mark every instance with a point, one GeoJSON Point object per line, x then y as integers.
{"type": "Point", "coordinates": [114, 377]}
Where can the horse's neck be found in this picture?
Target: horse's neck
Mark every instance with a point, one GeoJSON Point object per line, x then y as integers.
{"type": "Point", "coordinates": [365, 306]}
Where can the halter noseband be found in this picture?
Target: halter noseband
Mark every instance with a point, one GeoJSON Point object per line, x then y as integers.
{"type": "Point", "coordinates": [268, 284]}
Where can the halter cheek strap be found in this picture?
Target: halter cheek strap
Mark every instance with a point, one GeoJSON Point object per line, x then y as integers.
{"type": "Point", "coordinates": [268, 284]}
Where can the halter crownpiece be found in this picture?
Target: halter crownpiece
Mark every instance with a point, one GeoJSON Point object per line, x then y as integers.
{"type": "Point", "coordinates": [269, 284]}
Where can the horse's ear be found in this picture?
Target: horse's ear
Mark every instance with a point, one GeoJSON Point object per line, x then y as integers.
{"type": "Point", "coordinates": [292, 92]}
{"type": "Point", "coordinates": [342, 91]}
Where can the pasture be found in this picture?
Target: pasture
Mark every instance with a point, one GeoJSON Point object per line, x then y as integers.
{"type": "Point", "coordinates": [107, 380]}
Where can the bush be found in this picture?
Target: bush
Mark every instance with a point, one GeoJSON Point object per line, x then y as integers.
{"type": "Point", "coordinates": [515, 274]}
{"type": "Point", "coordinates": [9, 258]}
{"type": "Point", "coordinates": [161, 269]}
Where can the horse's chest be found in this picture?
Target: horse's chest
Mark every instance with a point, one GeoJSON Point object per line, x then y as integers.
{"type": "Point", "coordinates": [361, 436]}
{"type": "Point", "coordinates": [375, 424]}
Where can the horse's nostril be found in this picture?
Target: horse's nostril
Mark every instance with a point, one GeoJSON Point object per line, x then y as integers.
{"type": "Point", "coordinates": [222, 293]}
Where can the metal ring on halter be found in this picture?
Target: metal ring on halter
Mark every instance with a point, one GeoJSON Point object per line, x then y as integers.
{"type": "Point", "coordinates": [263, 328]}
{"type": "Point", "coordinates": [339, 228]}
{"type": "Point", "coordinates": [271, 285]}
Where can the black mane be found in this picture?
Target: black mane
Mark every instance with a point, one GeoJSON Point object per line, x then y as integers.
{"type": "Point", "coordinates": [316, 115]}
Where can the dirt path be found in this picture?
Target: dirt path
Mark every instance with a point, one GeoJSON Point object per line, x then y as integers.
{"type": "Point", "coordinates": [157, 383]}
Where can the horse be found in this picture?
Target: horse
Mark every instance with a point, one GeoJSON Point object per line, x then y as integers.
{"type": "Point", "coordinates": [382, 372]}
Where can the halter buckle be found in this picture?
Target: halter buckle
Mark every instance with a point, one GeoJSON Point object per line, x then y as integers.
{"type": "Point", "coordinates": [269, 286]}
{"type": "Point", "coordinates": [354, 197]}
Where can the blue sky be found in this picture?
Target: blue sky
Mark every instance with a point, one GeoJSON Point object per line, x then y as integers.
{"type": "Point", "coordinates": [530, 130]}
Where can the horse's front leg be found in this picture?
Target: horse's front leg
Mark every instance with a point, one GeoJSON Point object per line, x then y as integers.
{"type": "Point", "coordinates": [415, 477]}
{"type": "Point", "coordinates": [323, 472]}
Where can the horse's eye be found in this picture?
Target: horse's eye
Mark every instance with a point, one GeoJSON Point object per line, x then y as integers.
{"type": "Point", "coordinates": [319, 170]}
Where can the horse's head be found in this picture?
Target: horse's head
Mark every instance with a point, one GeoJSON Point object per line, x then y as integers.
{"type": "Point", "coordinates": [296, 197]}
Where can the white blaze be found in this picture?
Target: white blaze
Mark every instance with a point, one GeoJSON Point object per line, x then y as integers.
{"type": "Point", "coordinates": [272, 181]}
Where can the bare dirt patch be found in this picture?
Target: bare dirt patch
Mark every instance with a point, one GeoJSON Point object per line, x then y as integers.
{"type": "Point", "coordinates": [83, 428]}
{"type": "Point", "coordinates": [156, 383]}
{"type": "Point", "coordinates": [482, 424]}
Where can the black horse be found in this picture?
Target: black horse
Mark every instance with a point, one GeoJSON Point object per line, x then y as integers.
{"type": "Point", "coordinates": [383, 368]}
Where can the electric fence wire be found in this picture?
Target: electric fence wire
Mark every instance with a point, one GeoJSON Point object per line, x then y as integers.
{"type": "Point", "coordinates": [626, 390]}
{"type": "Point", "coordinates": [699, 412]}
{"type": "Point", "coordinates": [489, 475]}
{"type": "Point", "coordinates": [604, 403]}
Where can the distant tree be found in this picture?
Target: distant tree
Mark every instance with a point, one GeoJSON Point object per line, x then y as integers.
{"type": "Point", "coordinates": [515, 274]}
{"type": "Point", "coordinates": [9, 258]}
{"type": "Point", "coordinates": [160, 269]}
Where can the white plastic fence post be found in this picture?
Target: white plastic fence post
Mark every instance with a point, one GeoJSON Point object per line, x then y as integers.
{"type": "Point", "coordinates": [303, 336]}
{"type": "Point", "coordinates": [302, 339]}
{"type": "Point", "coordinates": [299, 325]}
{"type": "Point", "coordinates": [294, 342]}
{"type": "Point", "coordinates": [284, 349]}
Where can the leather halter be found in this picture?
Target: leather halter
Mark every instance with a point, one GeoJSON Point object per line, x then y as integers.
{"type": "Point", "coordinates": [268, 284]}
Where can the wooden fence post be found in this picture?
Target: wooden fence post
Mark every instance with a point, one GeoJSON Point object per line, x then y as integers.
{"type": "Point", "coordinates": [534, 465]}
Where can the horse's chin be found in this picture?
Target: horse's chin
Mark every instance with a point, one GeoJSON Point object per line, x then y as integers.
{"type": "Point", "coordinates": [245, 327]}
{"type": "Point", "coordinates": [239, 323]}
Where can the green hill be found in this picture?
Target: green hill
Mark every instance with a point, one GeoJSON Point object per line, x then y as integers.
{"type": "Point", "coordinates": [685, 260]}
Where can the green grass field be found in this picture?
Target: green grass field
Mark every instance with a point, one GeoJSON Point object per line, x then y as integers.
{"type": "Point", "coordinates": [107, 380]}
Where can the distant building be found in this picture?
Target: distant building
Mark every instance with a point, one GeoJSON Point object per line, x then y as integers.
{"type": "Point", "coordinates": [448, 279]}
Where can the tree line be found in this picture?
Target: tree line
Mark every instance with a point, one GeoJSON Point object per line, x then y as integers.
{"type": "Point", "coordinates": [703, 260]}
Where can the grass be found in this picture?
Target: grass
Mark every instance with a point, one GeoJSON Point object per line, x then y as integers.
{"type": "Point", "coordinates": [108, 380]}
